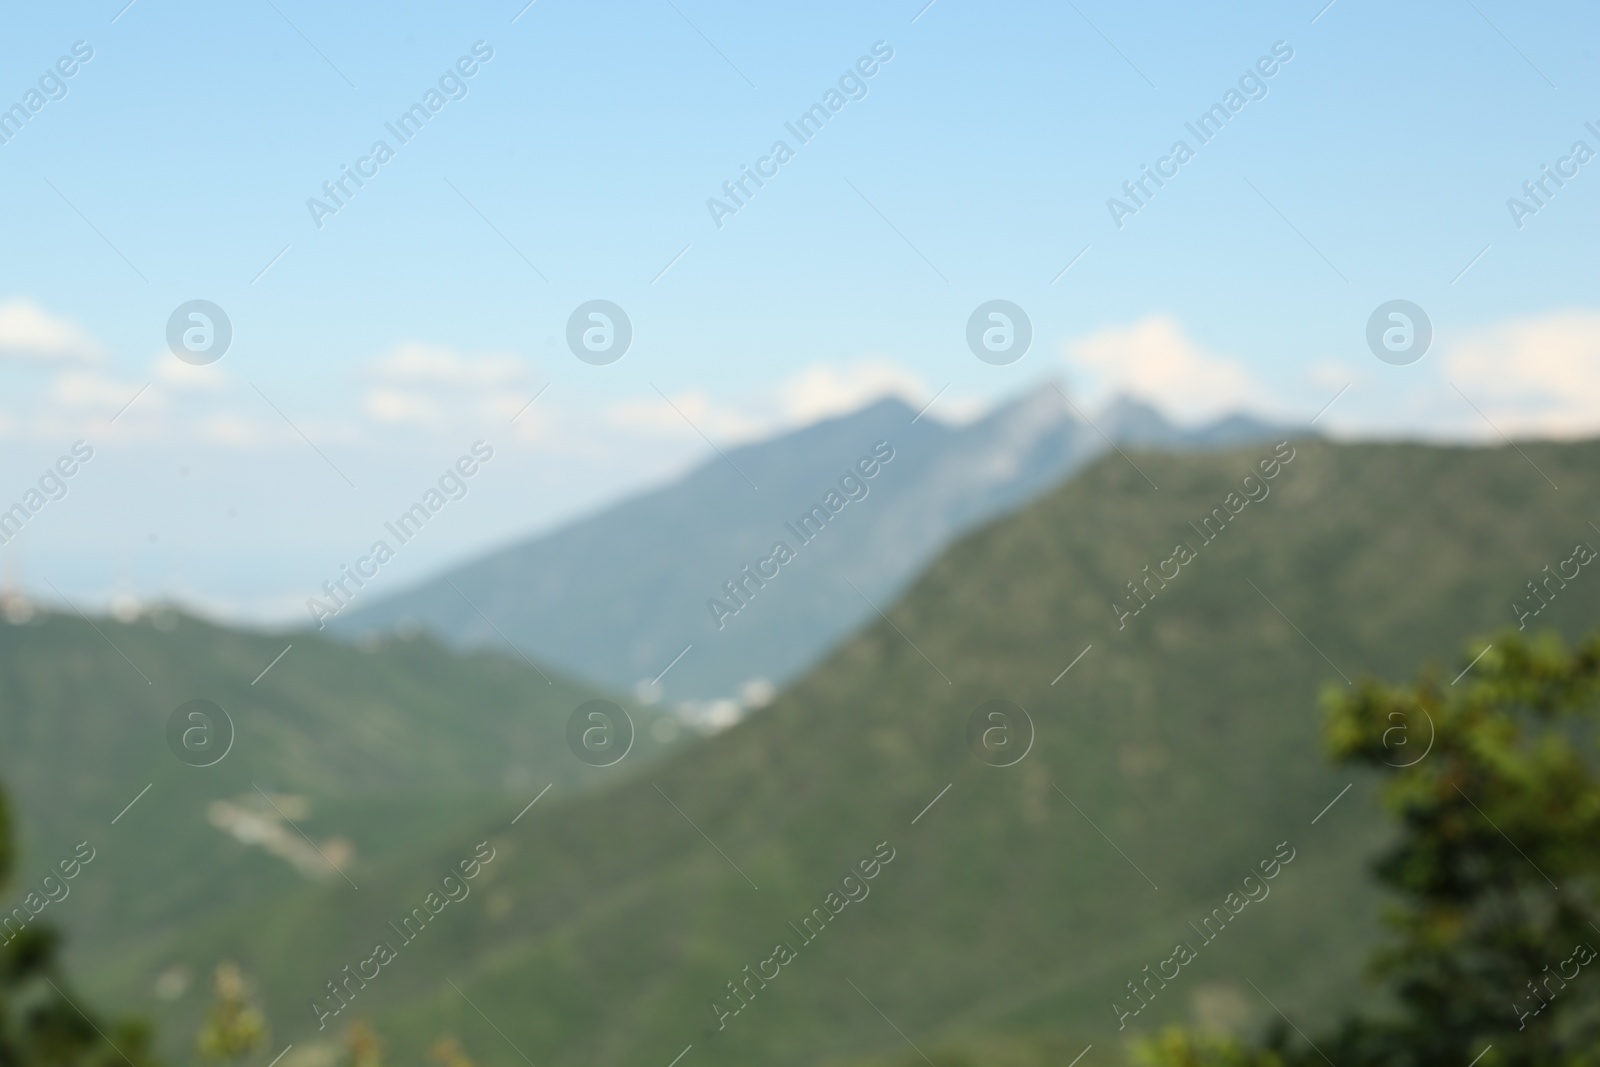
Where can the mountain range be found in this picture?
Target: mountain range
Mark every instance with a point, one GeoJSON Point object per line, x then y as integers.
{"type": "Point", "coordinates": [1165, 752]}
{"type": "Point", "coordinates": [641, 590]}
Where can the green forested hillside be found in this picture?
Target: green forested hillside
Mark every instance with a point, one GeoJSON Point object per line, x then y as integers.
{"type": "Point", "coordinates": [370, 752]}
{"type": "Point", "coordinates": [1010, 916]}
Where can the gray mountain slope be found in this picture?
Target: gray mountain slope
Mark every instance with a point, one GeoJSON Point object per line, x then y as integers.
{"type": "Point", "coordinates": [617, 596]}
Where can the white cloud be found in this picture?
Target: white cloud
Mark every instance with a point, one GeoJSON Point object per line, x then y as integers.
{"type": "Point", "coordinates": [416, 384]}
{"type": "Point", "coordinates": [687, 413]}
{"type": "Point", "coordinates": [226, 428]}
{"type": "Point", "coordinates": [415, 363]}
{"type": "Point", "coordinates": [823, 390]}
{"type": "Point", "coordinates": [94, 391]}
{"type": "Point", "coordinates": [819, 391]}
{"type": "Point", "coordinates": [402, 407]}
{"type": "Point", "coordinates": [1154, 360]}
{"type": "Point", "coordinates": [29, 332]}
{"type": "Point", "coordinates": [1538, 375]}
{"type": "Point", "coordinates": [189, 377]}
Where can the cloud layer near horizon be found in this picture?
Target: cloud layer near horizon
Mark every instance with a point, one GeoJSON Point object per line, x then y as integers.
{"type": "Point", "coordinates": [1535, 375]}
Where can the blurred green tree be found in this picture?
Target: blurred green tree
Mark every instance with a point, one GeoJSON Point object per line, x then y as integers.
{"type": "Point", "coordinates": [362, 1044]}
{"type": "Point", "coordinates": [447, 1052]}
{"type": "Point", "coordinates": [1495, 869]}
{"type": "Point", "coordinates": [41, 1023]}
{"type": "Point", "coordinates": [233, 1028]}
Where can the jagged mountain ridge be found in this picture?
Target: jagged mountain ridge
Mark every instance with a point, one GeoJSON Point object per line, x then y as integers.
{"type": "Point", "coordinates": [616, 597]}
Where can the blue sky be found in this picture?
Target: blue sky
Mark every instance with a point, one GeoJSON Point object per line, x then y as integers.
{"type": "Point", "coordinates": [577, 166]}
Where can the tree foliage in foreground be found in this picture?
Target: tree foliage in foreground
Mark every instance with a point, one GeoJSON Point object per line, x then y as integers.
{"type": "Point", "coordinates": [234, 1027]}
{"type": "Point", "coordinates": [41, 1024]}
{"type": "Point", "coordinates": [1495, 870]}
